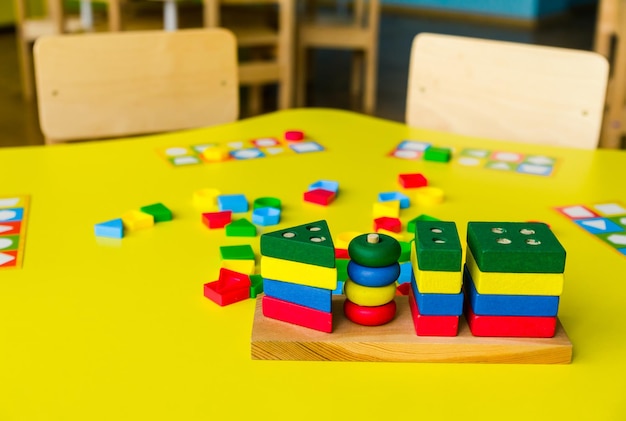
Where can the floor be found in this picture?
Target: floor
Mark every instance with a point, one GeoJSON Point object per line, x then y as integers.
{"type": "Point", "coordinates": [329, 88]}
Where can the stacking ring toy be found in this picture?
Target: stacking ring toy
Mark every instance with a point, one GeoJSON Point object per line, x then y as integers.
{"type": "Point", "coordinates": [373, 276]}
{"type": "Point", "coordinates": [369, 316]}
{"type": "Point", "coordinates": [368, 296]}
{"type": "Point", "coordinates": [374, 250]}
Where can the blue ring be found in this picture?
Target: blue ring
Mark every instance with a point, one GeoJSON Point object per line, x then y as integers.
{"type": "Point", "coordinates": [373, 277]}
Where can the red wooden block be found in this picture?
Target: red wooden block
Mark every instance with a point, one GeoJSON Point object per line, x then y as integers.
{"type": "Point", "coordinates": [388, 223]}
{"type": "Point", "coordinates": [297, 314]}
{"type": "Point", "coordinates": [229, 288]}
{"type": "Point", "coordinates": [412, 181]}
{"type": "Point", "coordinates": [403, 289]}
{"type": "Point", "coordinates": [319, 196]}
{"type": "Point", "coordinates": [294, 135]}
{"type": "Point", "coordinates": [217, 219]}
{"type": "Point", "coordinates": [369, 316]}
{"type": "Point", "coordinates": [341, 254]}
{"type": "Point", "coordinates": [510, 326]}
{"type": "Point", "coordinates": [432, 325]}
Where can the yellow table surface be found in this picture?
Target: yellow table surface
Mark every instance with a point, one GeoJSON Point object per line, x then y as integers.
{"type": "Point", "coordinates": [121, 330]}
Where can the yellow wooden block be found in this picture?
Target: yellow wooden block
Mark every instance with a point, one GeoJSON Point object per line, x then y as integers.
{"type": "Point", "coordinates": [206, 198]}
{"type": "Point", "coordinates": [369, 296]}
{"type": "Point", "coordinates": [135, 220]}
{"type": "Point", "coordinates": [390, 208]}
{"type": "Point", "coordinates": [429, 195]}
{"type": "Point", "coordinates": [514, 283]}
{"type": "Point", "coordinates": [298, 273]}
{"type": "Point", "coordinates": [437, 282]}
{"type": "Point", "coordinates": [241, 266]}
{"type": "Point", "coordinates": [343, 239]}
{"type": "Point", "coordinates": [216, 154]}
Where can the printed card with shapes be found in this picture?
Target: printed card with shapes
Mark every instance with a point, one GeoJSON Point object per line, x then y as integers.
{"type": "Point", "coordinates": [606, 221]}
{"type": "Point", "coordinates": [13, 218]}
{"type": "Point", "coordinates": [212, 152]}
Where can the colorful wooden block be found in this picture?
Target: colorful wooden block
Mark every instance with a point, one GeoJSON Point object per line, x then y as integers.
{"type": "Point", "coordinates": [319, 196]}
{"type": "Point", "coordinates": [256, 285]}
{"type": "Point", "coordinates": [298, 273]}
{"type": "Point", "coordinates": [266, 216]}
{"type": "Point", "coordinates": [206, 198]}
{"type": "Point", "coordinates": [267, 202]}
{"type": "Point", "coordinates": [343, 239]}
{"type": "Point", "coordinates": [405, 202]}
{"type": "Point", "coordinates": [523, 247]}
{"type": "Point", "coordinates": [435, 282]}
{"type": "Point", "coordinates": [374, 250]}
{"type": "Point", "coordinates": [285, 311]}
{"type": "Point", "coordinates": [438, 246]}
{"type": "Point", "coordinates": [410, 226]}
{"type": "Point", "coordinates": [438, 304]}
{"type": "Point", "coordinates": [135, 220]}
{"type": "Point", "coordinates": [110, 229]}
{"type": "Point", "coordinates": [388, 224]}
{"type": "Point", "coordinates": [329, 185]}
{"type": "Point", "coordinates": [429, 196]}
{"type": "Point", "coordinates": [437, 154]}
{"type": "Point", "coordinates": [241, 228]}
{"type": "Point", "coordinates": [510, 326]}
{"type": "Point", "coordinates": [509, 305]}
{"type": "Point", "coordinates": [236, 203]}
{"type": "Point", "coordinates": [242, 266]}
{"type": "Point", "coordinates": [369, 296]}
{"type": "Point", "coordinates": [390, 208]}
{"type": "Point", "coordinates": [369, 315]}
{"type": "Point", "coordinates": [229, 288]}
{"type": "Point", "coordinates": [432, 325]}
{"type": "Point", "coordinates": [316, 298]}
{"type": "Point", "coordinates": [373, 276]}
{"type": "Point", "coordinates": [294, 135]}
{"type": "Point", "coordinates": [412, 181]}
{"type": "Point", "coordinates": [216, 154]}
{"type": "Point", "coordinates": [514, 283]}
{"type": "Point", "coordinates": [214, 220]}
{"type": "Point", "coordinates": [406, 273]}
{"type": "Point", "coordinates": [237, 252]}
{"type": "Point", "coordinates": [159, 212]}
{"type": "Point", "coordinates": [309, 243]}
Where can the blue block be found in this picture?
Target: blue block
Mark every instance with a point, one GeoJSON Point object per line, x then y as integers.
{"type": "Point", "coordinates": [329, 185]}
{"type": "Point", "coordinates": [406, 272]}
{"type": "Point", "coordinates": [236, 203]}
{"type": "Point", "coordinates": [110, 229]}
{"type": "Point", "coordinates": [509, 305]}
{"type": "Point", "coordinates": [438, 304]}
{"type": "Point", "coordinates": [312, 297]}
{"type": "Point", "coordinates": [404, 200]}
{"type": "Point", "coordinates": [266, 216]}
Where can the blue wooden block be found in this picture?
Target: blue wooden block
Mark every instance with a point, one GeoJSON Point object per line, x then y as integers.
{"type": "Point", "coordinates": [438, 304]}
{"type": "Point", "coordinates": [236, 203]}
{"type": "Point", "coordinates": [404, 200]}
{"type": "Point", "coordinates": [329, 185]}
{"type": "Point", "coordinates": [406, 272]}
{"type": "Point", "coordinates": [110, 229]}
{"type": "Point", "coordinates": [509, 305]}
{"type": "Point", "coordinates": [266, 216]}
{"type": "Point", "coordinates": [312, 297]}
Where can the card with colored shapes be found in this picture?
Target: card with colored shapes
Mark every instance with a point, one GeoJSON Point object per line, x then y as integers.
{"type": "Point", "coordinates": [483, 158]}
{"type": "Point", "coordinates": [13, 218]}
{"type": "Point", "coordinates": [606, 221]}
{"type": "Point", "coordinates": [211, 152]}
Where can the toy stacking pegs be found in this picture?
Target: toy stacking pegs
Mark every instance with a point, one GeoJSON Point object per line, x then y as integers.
{"type": "Point", "coordinates": [372, 271]}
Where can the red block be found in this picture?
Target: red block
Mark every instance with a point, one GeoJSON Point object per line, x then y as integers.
{"type": "Point", "coordinates": [341, 254]}
{"type": "Point", "coordinates": [411, 181]}
{"type": "Point", "coordinates": [388, 223]}
{"type": "Point", "coordinates": [319, 196]}
{"type": "Point", "coordinates": [510, 326]}
{"type": "Point", "coordinates": [297, 314]}
{"type": "Point", "coordinates": [432, 325]}
{"type": "Point", "coordinates": [294, 135]}
{"type": "Point", "coordinates": [230, 288]}
{"type": "Point", "coordinates": [217, 219]}
{"type": "Point", "coordinates": [403, 289]}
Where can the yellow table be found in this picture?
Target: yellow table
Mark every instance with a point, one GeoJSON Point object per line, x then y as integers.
{"type": "Point", "coordinates": [121, 330]}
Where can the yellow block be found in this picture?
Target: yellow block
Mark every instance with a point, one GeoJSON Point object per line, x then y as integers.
{"type": "Point", "coordinates": [514, 283]}
{"type": "Point", "coordinates": [438, 282]}
{"type": "Point", "coordinates": [206, 198]}
{"type": "Point", "coordinates": [216, 154]}
{"type": "Point", "coordinates": [429, 195]}
{"type": "Point", "coordinates": [298, 273]}
{"type": "Point", "coordinates": [390, 208]}
{"type": "Point", "coordinates": [241, 266]}
{"type": "Point", "coordinates": [343, 239]}
{"type": "Point", "coordinates": [369, 296]}
{"type": "Point", "coordinates": [135, 220]}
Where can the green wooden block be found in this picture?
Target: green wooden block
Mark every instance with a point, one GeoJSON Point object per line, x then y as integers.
{"type": "Point", "coordinates": [342, 269]}
{"type": "Point", "coordinates": [309, 243]}
{"type": "Point", "coordinates": [256, 285]}
{"type": "Point", "coordinates": [410, 226]}
{"type": "Point", "coordinates": [438, 246]}
{"type": "Point", "coordinates": [405, 251]}
{"type": "Point", "coordinates": [437, 154]}
{"type": "Point", "coordinates": [515, 247]}
{"type": "Point", "coordinates": [159, 212]}
{"type": "Point", "coordinates": [241, 228]}
{"type": "Point", "coordinates": [241, 252]}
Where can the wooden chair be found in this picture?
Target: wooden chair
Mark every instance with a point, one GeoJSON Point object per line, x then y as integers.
{"type": "Point", "coordinates": [29, 27]}
{"type": "Point", "coordinates": [355, 29]}
{"type": "Point", "coordinates": [266, 47]}
{"type": "Point", "coordinates": [138, 82]}
{"type": "Point", "coordinates": [610, 41]}
{"type": "Point", "coordinates": [507, 91]}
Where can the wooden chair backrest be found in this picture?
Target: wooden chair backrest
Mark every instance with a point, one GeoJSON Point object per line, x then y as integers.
{"type": "Point", "coordinates": [105, 85]}
{"type": "Point", "coordinates": [506, 91]}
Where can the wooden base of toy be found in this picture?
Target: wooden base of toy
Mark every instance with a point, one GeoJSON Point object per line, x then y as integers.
{"type": "Point", "coordinates": [397, 342]}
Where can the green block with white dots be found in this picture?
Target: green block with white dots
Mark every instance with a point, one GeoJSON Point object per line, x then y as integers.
{"type": "Point", "coordinates": [517, 247]}
{"type": "Point", "coordinates": [309, 243]}
{"type": "Point", "coordinates": [438, 246]}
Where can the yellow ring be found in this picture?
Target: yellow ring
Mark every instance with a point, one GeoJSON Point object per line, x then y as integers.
{"type": "Point", "coordinates": [369, 296]}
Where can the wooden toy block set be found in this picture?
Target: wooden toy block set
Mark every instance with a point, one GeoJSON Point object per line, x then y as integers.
{"type": "Point", "coordinates": [498, 305]}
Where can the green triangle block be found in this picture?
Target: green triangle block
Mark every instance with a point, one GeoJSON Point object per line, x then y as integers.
{"type": "Point", "coordinates": [159, 211]}
{"type": "Point", "coordinates": [241, 228]}
{"type": "Point", "coordinates": [309, 243]}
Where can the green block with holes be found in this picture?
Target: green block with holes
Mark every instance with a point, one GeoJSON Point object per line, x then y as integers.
{"type": "Point", "coordinates": [308, 243]}
{"type": "Point", "coordinates": [438, 246]}
{"type": "Point", "coordinates": [515, 247]}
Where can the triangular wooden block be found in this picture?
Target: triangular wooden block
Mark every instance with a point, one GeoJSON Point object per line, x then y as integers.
{"type": "Point", "coordinates": [309, 243]}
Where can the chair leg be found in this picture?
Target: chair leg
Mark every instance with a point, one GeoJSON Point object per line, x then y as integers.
{"type": "Point", "coordinates": [370, 86]}
{"type": "Point", "coordinates": [26, 69]}
{"type": "Point", "coordinates": [356, 80]}
{"type": "Point", "coordinates": [302, 75]}
{"type": "Point", "coordinates": [255, 100]}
